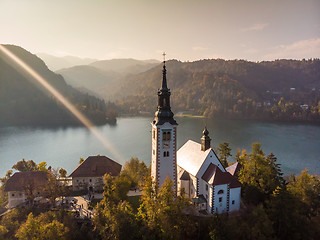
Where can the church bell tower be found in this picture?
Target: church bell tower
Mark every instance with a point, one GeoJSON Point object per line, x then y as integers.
{"type": "Point", "coordinates": [164, 137]}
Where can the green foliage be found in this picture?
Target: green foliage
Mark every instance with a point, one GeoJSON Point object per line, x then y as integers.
{"type": "Point", "coordinates": [53, 189]}
{"type": "Point", "coordinates": [114, 218]}
{"type": "Point", "coordinates": [224, 152]}
{"type": "Point", "coordinates": [135, 171]}
{"type": "Point", "coordinates": [306, 188]}
{"type": "Point", "coordinates": [161, 212]}
{"type": "Point", "coordinates": [42, 166]}
{"type": "Point", "coordinates": [39, 228]}
{"type": "Point", "coordinates": [236, 89]}
{"type": "Point", "coordinates": [23, 166]}
{"type": "Point", "coordinates": [81, 160]}
{"type": "Point", "coordinates": [260, 175]}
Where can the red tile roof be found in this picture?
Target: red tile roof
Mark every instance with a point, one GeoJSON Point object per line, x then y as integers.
{"type": "Point", "coordinates": [97, 166]}
{"type": "Point", "coordinates": [219, 177]}
{"type": "Point", "coordinates": [20, 180]}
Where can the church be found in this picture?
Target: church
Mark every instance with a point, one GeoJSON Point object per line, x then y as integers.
{"type": "Point", "coordinates": [195, 169]}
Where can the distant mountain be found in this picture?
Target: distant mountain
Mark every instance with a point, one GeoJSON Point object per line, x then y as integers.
{"type": "Point", "coordinates": [55, 63]}
{"type": "Point", "coordinates": [102, 77]}
{"type": "Point", "coordinates": [23, 101]}
{"type": "Point", "coordinates": [237, 89]}
{"type": "Point", "coordinates": [91, 78]}
{"type": "Point", "coordinates": [125, 66]}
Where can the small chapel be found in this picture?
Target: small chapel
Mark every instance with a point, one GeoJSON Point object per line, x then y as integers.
{"type": "Point", "coordinates": [195, 169]}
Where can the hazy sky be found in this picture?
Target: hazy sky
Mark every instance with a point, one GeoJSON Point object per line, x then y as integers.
{"type": "Point", "coordinates": [185, 29]}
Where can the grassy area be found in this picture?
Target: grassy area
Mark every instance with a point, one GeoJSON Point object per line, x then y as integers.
{"type": "Point", "coordinates": [134, 202]}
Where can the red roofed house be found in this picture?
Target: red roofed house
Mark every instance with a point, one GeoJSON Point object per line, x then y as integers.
{"type": "Point", "coordinates": [89, 174]}
{"type": "Point", "coordinates": [24, 185]}
{"type": "Point", "coordinates": [200, 172]}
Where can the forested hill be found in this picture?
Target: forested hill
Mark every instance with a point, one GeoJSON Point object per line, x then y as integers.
{"type": "Point", "coordinates": [24, 102]}
{"type": "Point", "coordinates": [237, 89]}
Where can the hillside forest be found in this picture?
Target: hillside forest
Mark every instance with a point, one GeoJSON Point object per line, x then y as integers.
{"type": "Point", "coordinates": [24, 102]}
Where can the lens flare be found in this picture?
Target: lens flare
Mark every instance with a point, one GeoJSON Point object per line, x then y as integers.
{"type": "Point", "coordinates": [65, 102]}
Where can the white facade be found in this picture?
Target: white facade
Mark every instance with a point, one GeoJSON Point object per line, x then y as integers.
{"type": "Point", "coordinates": [16, 198]}
{"type": "Point", "coordinates": [202, 175]}
{"type": "Point", "coordinates": [163, 154]}
{"type": "Point", "coordinates": [87, 183]}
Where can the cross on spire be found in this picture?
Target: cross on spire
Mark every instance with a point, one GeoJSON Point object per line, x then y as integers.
{"type": "Point", "coordinates": [164, 56]}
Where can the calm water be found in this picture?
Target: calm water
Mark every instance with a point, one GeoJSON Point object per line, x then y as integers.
{"type": "Point", "coordinates": [297, 146]}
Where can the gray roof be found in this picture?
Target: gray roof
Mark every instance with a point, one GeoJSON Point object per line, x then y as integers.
{"type": "Point", "coordinates": [190, 157]}
{"type": "Point", "coordinates": [234, 169]}
{"type": "Point", "coordinates": [97, 166]}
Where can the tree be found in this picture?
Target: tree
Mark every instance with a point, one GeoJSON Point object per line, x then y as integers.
{"type": "Point", "coordinates": [62, 173]}
{"type": "Point", "coordinates": [162, 213]}
{"type": "Point", "coordinates": [53, 189]}
{"type": "Point", "coordinates": [42, 166]}
{"type": "Point", "coordinates": [23, 166]}
{"type": "Point", "coordinates": [114, 218]}
{"type": "Point", "coordinates": [306, 188]}
{"type": "Point", "coordinates": [135, 171]}
{"type": "Point", "coordinates": [81, 160]}
{"type": "Point", "coordinates": [36, 229]}
{"type": "Point", "coordinates": [224, 152]}
{"type": "Point", "coordinates": [260, 176]}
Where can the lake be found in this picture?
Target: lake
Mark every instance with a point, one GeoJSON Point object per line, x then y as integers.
{"type": "Point", "coordinates": [297, 146]}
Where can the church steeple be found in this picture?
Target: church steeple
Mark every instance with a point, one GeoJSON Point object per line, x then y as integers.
{"type": "Point", "coordinates": [164, 113]}
{"type": "Point", "coordinates": [205, 140]}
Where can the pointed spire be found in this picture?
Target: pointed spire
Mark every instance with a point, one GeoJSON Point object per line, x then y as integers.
{"type": "Point", "coordinates": [164, 73]}
{"type": "Point", "coordinates": [164, 113]}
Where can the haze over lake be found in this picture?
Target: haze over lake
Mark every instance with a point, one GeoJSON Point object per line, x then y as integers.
{"type": "Point", "coordinates": [295, 145]}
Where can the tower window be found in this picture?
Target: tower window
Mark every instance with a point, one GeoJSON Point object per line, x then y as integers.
{"type": "Point", "coordinates": [232, 202]}
{"type": "Point", "coordinates": [166, 153]}
{"type": "Point", "coordinates": [166, 135]}
{"type": "Point", "coordinates": [220, 191]}
{"type": "Point", "coordinates": [220, 199]}
{"type": "Point", "coordinates": [154, 134]}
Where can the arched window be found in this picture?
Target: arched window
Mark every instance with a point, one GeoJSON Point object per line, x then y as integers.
{"type": "Point", "coordinates": [220, 191]}
{"type": "Point", "coordinates": [168, 136]}
{"type": "Point", "coordinates": [164, 153]}
{"type": "Point", "coordinates": [167, 153]}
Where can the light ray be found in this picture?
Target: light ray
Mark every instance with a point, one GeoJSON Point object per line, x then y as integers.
{"type": "Point", "coordinates": [65, 102]}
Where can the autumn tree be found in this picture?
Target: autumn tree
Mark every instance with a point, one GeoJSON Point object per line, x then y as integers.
{"type": "Point", "coordinates": [135, 171]}
{"type": "Point", "coordinates": [224, 152]}
{"type": "Point", "coordinates": [114, 217]}
{"type": "Point", "coordinates": [260, 175]}
{"type": "Point", "coordinates": [36, 229]}
{"type": "Point", "coordinates": [162, 213]}
{"type": "Point", "coordinates": [62, 173]}
{"type": "Point", "coordinates": [23, 166]}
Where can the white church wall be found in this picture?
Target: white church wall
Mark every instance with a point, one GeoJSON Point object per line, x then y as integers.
{"type": "Point", "coordinates": [235, 197]}
{"type": "Point", "coordinates": [211, 158]}
{"type": "Point", "coordinates": [220, 200]}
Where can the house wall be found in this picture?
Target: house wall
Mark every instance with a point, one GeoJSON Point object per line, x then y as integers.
{"type": "Point", "coordinates": [220, 207]}
{"type": "Point", "coordinates": [235, 195]}
{"type": "Point", "coordinates": [190, 186]}
{"type": "Point", "coordinates": [15, 198]}
{"type": "Point", "coordinates": [81, 183]}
